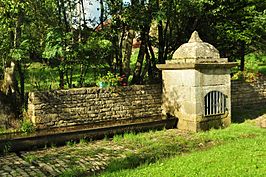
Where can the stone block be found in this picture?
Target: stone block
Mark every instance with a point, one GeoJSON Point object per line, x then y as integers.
{"type": "Point", "coordinates": [187, 125]}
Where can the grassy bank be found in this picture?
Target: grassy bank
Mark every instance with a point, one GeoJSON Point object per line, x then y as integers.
{"type": "Point", "coordinates": [236, 151]}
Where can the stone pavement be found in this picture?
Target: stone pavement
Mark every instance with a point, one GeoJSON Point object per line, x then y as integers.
{"type": "Point", "coordinates": [13, 165]}
{"type": "Point", "coordinates": [90, 157]}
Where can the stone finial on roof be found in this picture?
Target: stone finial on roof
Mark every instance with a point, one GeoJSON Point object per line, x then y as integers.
{"type": "Point", "coordinates": [195, 37]}
{"type": "Point", "coordinates": [195, 51]}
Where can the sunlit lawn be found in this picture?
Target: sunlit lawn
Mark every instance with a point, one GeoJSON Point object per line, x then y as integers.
{"type": "Point", "coordinates": [236, 151]}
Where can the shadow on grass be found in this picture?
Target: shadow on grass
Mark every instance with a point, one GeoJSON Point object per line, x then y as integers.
{"type": "Point", "coordinates": [153, 152]}
{"type": "Point", "coordinates": [247, 113]}
{"type": "Point", "coordinates": [145, 157]}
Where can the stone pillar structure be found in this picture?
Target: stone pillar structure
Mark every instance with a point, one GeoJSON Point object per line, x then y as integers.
{"type": "Point", "coordinates": [196, 86]}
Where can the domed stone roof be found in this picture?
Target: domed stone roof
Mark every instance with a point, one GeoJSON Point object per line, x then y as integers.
{"type": "Point", "coordinates": [195, 51]}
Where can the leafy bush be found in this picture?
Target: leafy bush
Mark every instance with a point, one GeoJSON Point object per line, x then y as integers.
{"type": "Point", "coordinates": [108, 80]}
{"type": "Point", "coordinates": [30, 158]}
{"type": "Point", "coordinates": [246, 76]}
{"type": "Point", "coordinates": [27, 126]}
{"type": "Point", "coordinates": [254, 64]}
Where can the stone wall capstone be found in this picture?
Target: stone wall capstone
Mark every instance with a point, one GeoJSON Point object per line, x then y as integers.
{"type": "Point", "coordinates": [93, 105]}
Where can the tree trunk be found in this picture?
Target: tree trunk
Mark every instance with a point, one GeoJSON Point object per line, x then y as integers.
{"type": "Point", "coordinates": [9, 82]}
{"type": "Point", "coordinates": [83, 72]}
{"type": "Point", "coordinates": [83, 12]}
{"type": "Point", "coordinates": [242, 56]}
{"type": "Point", "coordinates": [160, 37]}
{"type": "Point", "coordinates": [22, 82]}
{"type": "Point", "coordinates": [61, 78]}
{"type": "Point", "coordinates": [128, 52]}
{"type": "Point", "coordinates": [65, 15]}
{"type": "Point", "coordinates": [161, 43]}
{"type": "Point", "coordinates": [145, 29]}
{"type": "Point", "coordinates": [69, 77]}
{"type": "Point", "coordinates": [120, 63]}
{"type": "Point", "coordinates": [165, 41]}
{"type": "Point", "coordinates": [153, 61]}
{"type": "Point", "coordinates": [115, 43]}
{"type": "Point", "coordinates": [102, 13]}
{"type": "Point", "coordinates": [148, 65]}
{"type": "Point", "coordinates": [10, 89]}
{"type": "Point", "coordinates": [17, 41]}
{"type": "Point", "coordinates": [138, 67]}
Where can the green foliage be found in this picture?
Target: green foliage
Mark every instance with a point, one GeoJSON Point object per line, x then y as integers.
{"type": "Point", "coordinates": [74, 172]}
{"type": "Point", "coordinates": [5, 149]}
{"type": "Point", "coordinates": [262, 69]}
{"type": "Point", "coordinates": [254, 64]}
{"type": "Point", "coordinates": [245, 76]}
{"type": "Point", "coordinates": [27, 126]}
{"type": "Point", "coordinates": [41, 77]}
{"type": "Point", "coordinates": [54, 44]}
{"type": "Point", "coordinates": [108, 80]}
{"type": "Point", "coordinates": [4, 131]}
{"type": "Point", "coordinates": [83, 141]}
{"type": "Point", "coordinates": [71, 143]}
{"type": "Point", "coordinates": [53, 145]}
{"type": "Point", "coordinates": [30, 158]}
{"type": "Point", "coordinates": [237, 26]}
{"type": "Point", "coordinates": [97, 49]}
{"type": "Point", "coordinates": [45, 32]}
{"type": "Point", "coordinates": [118, 138]}
{"type": "Point", "coordinates": [253, 61]}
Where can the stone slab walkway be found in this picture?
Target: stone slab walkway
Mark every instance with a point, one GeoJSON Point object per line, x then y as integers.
{"type": "Point", "coordinates": [92, 157]}
{"type": "Point", "coordinates": [13, 165]}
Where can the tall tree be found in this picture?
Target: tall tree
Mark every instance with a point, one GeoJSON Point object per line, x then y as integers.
{"type": "Point", "coordinates": [239, 27]}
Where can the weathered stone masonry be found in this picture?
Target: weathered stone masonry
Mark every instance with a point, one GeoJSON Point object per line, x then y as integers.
{"type": "Point", "coordinates": [196, 86]}
{"type": "Point", "coordinates": [94, 105]}
{"type": "Point", "coordinates": [249, 94]}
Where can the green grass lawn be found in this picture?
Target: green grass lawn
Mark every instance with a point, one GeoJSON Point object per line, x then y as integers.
{"type": "Point", "coordinates": [41, 77]}
{"type": "Point", "coordinates": [239, 150]}
{"type": "Point", "coordinates": [262, 69]}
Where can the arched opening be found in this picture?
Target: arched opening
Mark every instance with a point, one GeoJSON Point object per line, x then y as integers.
{"type": "Point", "coordinates": [214, 103]}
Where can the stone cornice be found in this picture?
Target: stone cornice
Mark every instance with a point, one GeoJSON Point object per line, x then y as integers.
{"type": "Point", "coordinates": [180, 66]}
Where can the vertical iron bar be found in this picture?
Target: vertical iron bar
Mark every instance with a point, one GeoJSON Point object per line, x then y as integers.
{"type": "Point", "coordinates": [214, 102]}
{"type": "Point", "coordinates": [207, 104]}
{"type": "Point", "coordinates": [212, 111]}
{"type": "Point", "coordinates": [217, 102]}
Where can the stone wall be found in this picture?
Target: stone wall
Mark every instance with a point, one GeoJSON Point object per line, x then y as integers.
{"type": "Point", "coordinates": [121, 105]}
{"type": "Point", "coordinates": [94, 105]}
{"type": "Point", "coordinates": [248, 94]}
